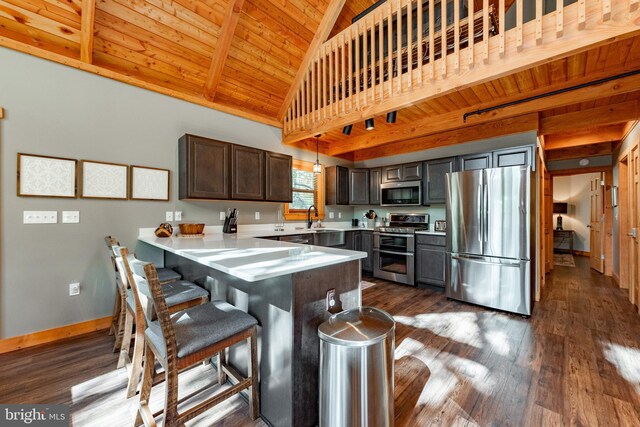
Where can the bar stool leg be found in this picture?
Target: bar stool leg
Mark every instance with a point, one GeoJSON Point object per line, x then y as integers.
{"type": "Point", "coordinates": [126, 341]}
{"type": "Point", "coordinates": [145, 390]}
{"type": "Point", "coordinates": [254, 397]}
{"type": "Point", "coordinates": [136, 363]}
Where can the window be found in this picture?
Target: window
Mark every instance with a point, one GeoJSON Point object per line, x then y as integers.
{"type": "Point", "coordinates": [308, 189]}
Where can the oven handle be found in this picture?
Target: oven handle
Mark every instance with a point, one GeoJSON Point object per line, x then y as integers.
{"type": "Point", "coordinates": [393, 252]}
{"type": "Point", "coordinates": [394, 235]}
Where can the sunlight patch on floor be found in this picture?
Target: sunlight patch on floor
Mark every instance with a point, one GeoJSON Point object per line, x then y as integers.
{"type": "Point", "coordinates": [626, 360]}
{"type": "Point", "coordinates": [461, 327]}
{"type": "Point", "coordinates": [498, 341]}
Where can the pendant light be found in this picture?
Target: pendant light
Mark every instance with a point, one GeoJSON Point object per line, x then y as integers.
{"type": "Point", "coordinates": [317, 167]}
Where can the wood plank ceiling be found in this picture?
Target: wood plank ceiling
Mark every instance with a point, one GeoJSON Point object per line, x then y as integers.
{"type": "Point", "coordinates": [242, 57]}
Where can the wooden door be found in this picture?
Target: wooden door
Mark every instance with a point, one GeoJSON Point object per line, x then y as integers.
{"type": "Point", "coordinates": [548, 220]}
{"type": "Point", "coordinates": [634, 251]}
{"type": "Point", "coordinates": [625, 239]}
{"type": "Point", "coordinates": [596, 235]}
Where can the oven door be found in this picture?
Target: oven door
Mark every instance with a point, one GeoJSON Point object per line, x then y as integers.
{"type": "Point", "coordinates": [394, 266]}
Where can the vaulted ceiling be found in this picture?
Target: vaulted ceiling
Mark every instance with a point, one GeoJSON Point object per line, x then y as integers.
{"type": "Point", "coordinates": [242, 57]}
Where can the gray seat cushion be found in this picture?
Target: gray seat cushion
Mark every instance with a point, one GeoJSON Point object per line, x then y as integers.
{"type": "Point", "coordinates": [167, 275]}
{"type": "Point", "coordinates": [182, 291]}
{"type": "Point", "coordinates": [199, 327]}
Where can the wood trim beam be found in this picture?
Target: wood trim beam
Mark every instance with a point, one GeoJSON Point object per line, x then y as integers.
{"type": "Point", "coordinates": [509, 126]}
{"type": "Point", "coordinates": [55, 334]}
{"type": "Point", "coordinates": [578, 171]}
{"type": "Point", "coordinates": [596, 33]}
{"type": "Point", "coordinates": [1, 113]}
{"type": "Point", "coordinates": [615, 113]}
{"type": "Point", "coordinates": [579, 152]}
{"type": "Point", "coordinates": [454, 120]}
{"type": "Point", "coordinates": [322, 33]}
{"type": "Point", "coordinates": [589, 136]}
{"type": "Point", "coordinates": [87, 30]}
{"type": "Point", "coordinates": [104, 72]}
{"type": "Point", "coordinates": [225, 37]}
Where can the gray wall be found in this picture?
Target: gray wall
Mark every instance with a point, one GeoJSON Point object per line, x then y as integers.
{"type": "Point", "coordinates": [55, 110]}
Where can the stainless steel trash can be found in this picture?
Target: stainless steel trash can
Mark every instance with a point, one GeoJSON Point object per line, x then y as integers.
{"type": "Point", "coordinates": [356, 369]}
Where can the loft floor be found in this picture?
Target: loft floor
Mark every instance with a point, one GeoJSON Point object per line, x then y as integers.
{"type": "Point", "coordinates": [574, 362]}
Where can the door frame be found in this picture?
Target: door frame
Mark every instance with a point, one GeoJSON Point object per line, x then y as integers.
{"type": "Point", "coordinates": [623, 223]}
{"type": "Point", "coordinates": [608, 209]}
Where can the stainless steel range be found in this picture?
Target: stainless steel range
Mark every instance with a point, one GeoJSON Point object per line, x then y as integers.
{"type": "Point", "coordinates": [394, 247]}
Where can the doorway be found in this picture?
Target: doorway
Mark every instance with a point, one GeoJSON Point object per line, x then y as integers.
{"type": "Point", "coordinates": [629, 222]}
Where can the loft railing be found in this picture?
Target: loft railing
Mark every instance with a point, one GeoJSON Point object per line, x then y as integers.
{"type": "Point", "coordinates": [400, 47]}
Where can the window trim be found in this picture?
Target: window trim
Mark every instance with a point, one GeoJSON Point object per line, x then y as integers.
{"type": "Point", "coordinates": [301, 215]}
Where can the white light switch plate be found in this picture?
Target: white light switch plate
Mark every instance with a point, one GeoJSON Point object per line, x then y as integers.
{"type": "Point", "coordinates": [178, 216]}
{"type": "Point", "coordinates": [257, 215]}
{"type": "Point", "coordinates": [168, 216]}
{"type": "Point", "coordinates": [74, 289]}
{"type": "Point", "coordinates": [70, 217]}
{"type": "Point", "coordinates": [330, 215]}
{"type": "Point", "coordinates": [40, 217]}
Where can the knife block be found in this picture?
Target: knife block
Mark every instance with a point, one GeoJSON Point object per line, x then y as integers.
{"type": "Point", "coordinates": [230, 226]}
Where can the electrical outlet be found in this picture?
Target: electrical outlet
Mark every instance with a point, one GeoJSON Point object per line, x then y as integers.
{"type": "Point", "coordinates": [74, 289]}
{"type": "Point", "coordinates": [169, 216]}
{"type": "Point", "coordinates": [40, 217]}
{"type": "Point", "coordinates": [330, 302]}
{"type": "Point", "coordinates": [178, 216]}
{"type": "Point", "coordinates": [70, 217]}
{"type": "Point", "coordinates": [222, 216]}
{"type": "Point", "coordinates": [330, 215]}
{"type": "Point", "coordinates": [339, 214]}
{"type": "Point", "coordinates": [257, 215]}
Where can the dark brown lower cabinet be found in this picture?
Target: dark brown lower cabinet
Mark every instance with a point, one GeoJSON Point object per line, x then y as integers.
{"type": "Point", "coordinates": [367, 246]}
{"type": "Point", "coordinates": [430, 260]}
{"type": "Point", "coordinates": [247, 168]}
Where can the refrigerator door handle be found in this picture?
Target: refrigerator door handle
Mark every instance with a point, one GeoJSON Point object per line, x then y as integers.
{"type": "Point", "coordinates": [485, 210]}
{"type": "Point", "coordinates": [482, 260]}
{"type": "Point", "coordinates": [479, 212]}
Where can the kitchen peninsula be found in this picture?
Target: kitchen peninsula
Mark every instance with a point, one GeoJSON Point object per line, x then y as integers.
{"type": "Point", "coordinates": [284, 286]}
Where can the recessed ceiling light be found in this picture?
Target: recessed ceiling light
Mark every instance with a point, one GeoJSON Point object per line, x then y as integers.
{"type": "Point", "coordinates": [583, 162]}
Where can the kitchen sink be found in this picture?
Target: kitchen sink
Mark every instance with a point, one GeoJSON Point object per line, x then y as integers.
{"type": "Point", "coordinates": [324, 237]}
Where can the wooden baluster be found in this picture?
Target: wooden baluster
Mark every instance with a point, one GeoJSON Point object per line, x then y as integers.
{"type": "Point", "coordinates": [336, 76]}
{"type": "Point", "coordinates": [390, 47]}
{"type": "Point", "coordinates": [432, 43]}
{"type": "Point", "coordinates": [443, 34]}
{"type": "Point", "coordinates": [324, 81]}
{"type": "Point", "coordinates": [332, 81]}
{"type": "Point", "coordinates": [343, 75]}
{"type": "Point", "coordinates": [350, 70]}
{"type": "Point", "coordinates": [308, 96]}
{"type": "Point", "coordinates": [519, 23]}
{"type": "Point", "coordinates": [358, 68]}
{"type": "Point", "coordinates": [365, 61]}
{"type": "Point", "coordinates": [371, 55]}
{"type": "Point", "coordinates": [420, 41]}
{"type": "Point", "coordinates": [410, 44]}
{"type": "Point", "coordinates": [296, 113]}
{"type": "Point", "coordinates": [471, 32]}
{"type": "Point", "coordinates": [485, 29]}
{"type": "Point", "coordinates": [456, 36]}
{"type": "Point", "coordinates": [314, 85]}
{"type": "Point", "coordinates": [501, 25]}
{"type": "Point", "coordinates": [399, 45]}
{"type": "Point", "coordinates": [538, 22]}
{"type": "Point", "coordinates": [582, 14]}
{"type": "Point", "coordinates": [381, 54]}
{"type": "Point", "coordinates": [559, 18]}
{"type": "Point", "coordinates": [289, 113]}
{"type": "Point", "coordinates": [606, 10]}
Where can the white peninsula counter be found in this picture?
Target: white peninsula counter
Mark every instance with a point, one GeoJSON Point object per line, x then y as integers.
{"type": "Point", "coordinates": [283, 285]}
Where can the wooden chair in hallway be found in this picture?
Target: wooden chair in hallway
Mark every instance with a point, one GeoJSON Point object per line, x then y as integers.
{"type": "Point", "coordinates": [119, 316]}
{"type": "Point", "coordinates": [187, 339]}
{"type": "Point", "coordinates": [179, 295]}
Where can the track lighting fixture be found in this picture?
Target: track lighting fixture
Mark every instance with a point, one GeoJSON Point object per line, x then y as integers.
{"type": "Point", "coordinates": [391, 116]}
{"type": "Point", "coordinates": [368, 124]}
{"type": "Point", "coordinates": [347, 129]}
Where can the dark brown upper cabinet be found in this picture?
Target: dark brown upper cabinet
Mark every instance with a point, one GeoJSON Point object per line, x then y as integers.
{"type": "Point", "coordinates": [471, 162]}
{"type": "Point", "coordinates": [247, 169]}
{"type": "Point", "coordinates": [359, 187]}
{"type": "Point", "coordinates": [434, 185]}
{"type": "Point", "coordinates": [278, 177]}
{"type": "Point", "coordinates": [203, 168]}
{"type": "Point", "coordinates": [375, 179]}
{"type": "Point", "coordinates": [337, 185]}
{"type": "Point", "coordinates": [519, 156]}
{"type": "Point", "coordinates": [405, 172]}
{"type": "Point", "coordinates": [392, 173]}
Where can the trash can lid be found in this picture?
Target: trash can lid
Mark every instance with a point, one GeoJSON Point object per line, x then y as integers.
{"type": "Point", "coordinates": [357, 327]}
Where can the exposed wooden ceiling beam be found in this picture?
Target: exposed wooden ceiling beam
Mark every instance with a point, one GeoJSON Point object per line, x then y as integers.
{"type": "Point", "coordinates": [1, 113]}
{"type": "Point", "coordinates": [80, 65]}
{"type": "Point", "coordinates": [580, 152]}
{"type": "Point", "coordinates": [611, 133]}
{"type": "Point", "coordinates": [509, 126]}
{"type": "Point", "coordinates": [225, 37]}
{"type": "Point", "coordinates": [323, 31]}
{"type": "Point", "coordinates": [615, 113]}
{"type": "Point", "coordinates": [86, 30]}
{"type": "Point", "coordinates": [454, 120]}
{"type": "Point", "coordinates": [574, 41]}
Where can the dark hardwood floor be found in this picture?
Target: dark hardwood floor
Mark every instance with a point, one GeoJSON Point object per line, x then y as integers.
{"type": "Point", "coordinates": [575, 362]}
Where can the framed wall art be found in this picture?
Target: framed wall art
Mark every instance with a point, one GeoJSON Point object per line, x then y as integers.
{"type": "Point", "coordinates": [101, 180]}
{"type": "Point", "coordinates": [149, 183]}
{"type": "Point", "coordinates": [45, 176]}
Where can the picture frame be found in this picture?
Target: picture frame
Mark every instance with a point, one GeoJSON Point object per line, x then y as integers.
{"type": "Point", "coordinates": [147, 183]}
{"type": "Point", "coordinates": [46, 176]}
{"type": "Point", "coordinates": [103, 180]}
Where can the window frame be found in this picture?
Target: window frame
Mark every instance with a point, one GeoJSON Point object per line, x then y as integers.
{"type": "Point", "coordinates": [301, 214]}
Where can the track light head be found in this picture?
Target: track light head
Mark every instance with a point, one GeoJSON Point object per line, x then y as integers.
{"type": "Point", "coordinates": [368, 124]}
{"type": "Point", "coordinates": [347, 129]}
{"type": "Point", "coordinates": [391, 116]}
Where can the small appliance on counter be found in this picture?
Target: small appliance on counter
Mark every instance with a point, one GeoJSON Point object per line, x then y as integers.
{"type": "Point", "coordinates": [231, 222]}
{"type": "Point", "coordinates": [440, 225]}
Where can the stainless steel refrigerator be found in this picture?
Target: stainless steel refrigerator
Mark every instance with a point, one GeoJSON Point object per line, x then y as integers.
{"type": "Point", "coordinates": [489, 238]}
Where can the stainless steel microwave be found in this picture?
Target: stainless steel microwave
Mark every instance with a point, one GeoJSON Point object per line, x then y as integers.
{"type": "Point", "coordinates": [408, 193]}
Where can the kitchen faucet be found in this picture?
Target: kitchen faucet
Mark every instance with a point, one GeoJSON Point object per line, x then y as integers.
{"type": "Point", "coordinates": [309, 220]}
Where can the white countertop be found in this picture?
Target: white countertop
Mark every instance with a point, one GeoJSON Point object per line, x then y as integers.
{"type": "Point", "coordinates": [244, 256]}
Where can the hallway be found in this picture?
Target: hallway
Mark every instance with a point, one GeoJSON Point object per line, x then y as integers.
{"type": "Point", "coordinates": [574, 363]}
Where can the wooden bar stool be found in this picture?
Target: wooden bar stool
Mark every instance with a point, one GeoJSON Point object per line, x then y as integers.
{"type": "Point", "coordinates": [186, 339]}
{"type": "Point", "coordinates": [179, 295]}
